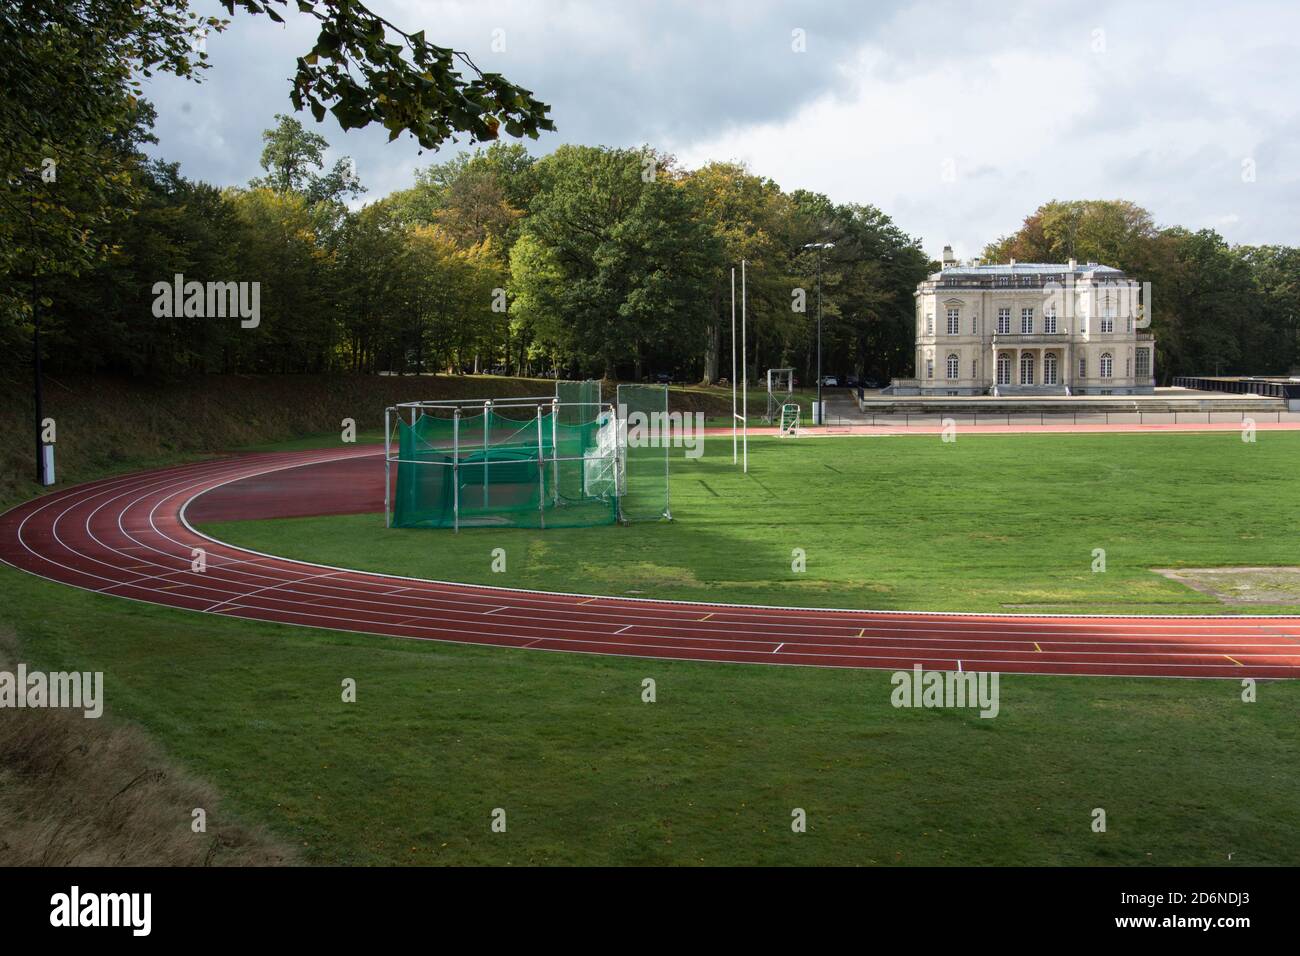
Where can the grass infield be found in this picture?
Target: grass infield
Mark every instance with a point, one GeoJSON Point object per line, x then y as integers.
{"type": "Point", "coordinates": [986, 523]}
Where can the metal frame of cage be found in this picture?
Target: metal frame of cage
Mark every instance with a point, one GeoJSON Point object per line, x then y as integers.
{"type": "Point", "coordinates": [775, 402]}
{"type": "Point", "coordinates": [456, 406]}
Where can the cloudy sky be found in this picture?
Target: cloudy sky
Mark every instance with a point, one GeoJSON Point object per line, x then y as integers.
{"type": "Point", "coordinates": [955, 118]}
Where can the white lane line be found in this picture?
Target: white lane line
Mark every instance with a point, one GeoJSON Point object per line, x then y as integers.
{"type": "Point", "coordinates": [269, 587]}
{"type": "Point", "coordinates": [779, 646]}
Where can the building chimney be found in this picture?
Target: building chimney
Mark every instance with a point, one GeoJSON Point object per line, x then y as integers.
{"type": "Point", "coordinates": [949, 260]}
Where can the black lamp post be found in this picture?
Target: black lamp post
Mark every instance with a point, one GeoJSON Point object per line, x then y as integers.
{"type": "Point", "coordinates": [819, 246]}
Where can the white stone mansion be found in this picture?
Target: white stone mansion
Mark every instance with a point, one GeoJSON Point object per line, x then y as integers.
{"type": "Point", "coordinates": [1030, 329]}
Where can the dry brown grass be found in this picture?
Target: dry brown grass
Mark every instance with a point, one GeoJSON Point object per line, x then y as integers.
{"type": "Point", "coordinates": [80, 792]}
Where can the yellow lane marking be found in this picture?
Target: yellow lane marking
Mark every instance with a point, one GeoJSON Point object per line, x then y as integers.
{"type": "Point", "coordinates": [862, 633]}
{"type": "Point", "coordinates": [588, 601]}
{"type": "Point", "coordinates": [1235, 661]}
{"type": "Point", "coordinates": [706, 617]}
{"type": "Point", "coordinates": [1037, 648]}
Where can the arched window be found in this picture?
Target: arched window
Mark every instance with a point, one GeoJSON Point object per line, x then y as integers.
{"type": "Point", "coordinates": [953, 371]}
{"type": "Point", "coordinates": [1107, 365]}
{"type": "Point", "coordinates": [1004, 369]}
{"type": "Point", "coordinates": [1027, 369]}
{"type": "Point", "coordinates": [1049, 368]}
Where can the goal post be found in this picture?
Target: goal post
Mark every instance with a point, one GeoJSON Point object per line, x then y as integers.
{"type": "Point", "coordinates": [739, 419]}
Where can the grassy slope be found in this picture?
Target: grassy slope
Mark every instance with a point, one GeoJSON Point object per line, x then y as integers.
{"type": "Point", "coordinates": [587, 773]}
{"type": "Point", "coordinates": [905, 522]}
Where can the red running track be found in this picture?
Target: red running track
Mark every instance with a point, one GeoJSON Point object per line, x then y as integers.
{"type": "Point", "coordinates": [128, 537]}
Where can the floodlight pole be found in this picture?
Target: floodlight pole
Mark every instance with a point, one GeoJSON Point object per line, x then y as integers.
{"type": "Point", "coordinates": [555, 451]}
{"type": "Point", "coordinates": [819, 246]}
{"type": "Point", "coordinates": [820, 415]}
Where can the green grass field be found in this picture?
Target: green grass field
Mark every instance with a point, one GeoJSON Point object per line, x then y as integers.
{"type": "Point", "coordinates": [988, 523]}
{"type": "Point", "coordinates": [441, 735]}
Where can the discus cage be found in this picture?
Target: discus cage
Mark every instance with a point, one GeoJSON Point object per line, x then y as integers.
{"type": "Point", "coordinates": [533, 462]}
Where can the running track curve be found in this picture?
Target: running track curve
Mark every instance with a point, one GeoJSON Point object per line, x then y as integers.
{"type": "Point", "coordinates": [128, 537]}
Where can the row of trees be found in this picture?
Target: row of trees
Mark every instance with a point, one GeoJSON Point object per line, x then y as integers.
{"type": "Point", "coordinates": [1217, 308]}
{"type": "Point", "coordinates": [589, 261]}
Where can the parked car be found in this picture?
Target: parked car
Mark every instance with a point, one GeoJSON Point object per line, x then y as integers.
{"type": "Point", "coordinates": [851, 381]}
{"type": "Point", "coordinates": [871, 383]}
{"type": "Point", "coordinates": [830, 381]}
{"type": "Point", "coordinates": [663, 378]}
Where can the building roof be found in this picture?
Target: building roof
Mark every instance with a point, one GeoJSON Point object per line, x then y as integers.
{"type": "Point", "coordinates": [1029, 268]}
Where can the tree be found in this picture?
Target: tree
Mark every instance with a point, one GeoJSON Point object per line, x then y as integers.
{"type": "Point", "coordinates": [752, 220]}
{"type": "Point", "coordinates": [628, 262]}
{"type": "Point", "coordinates": [411, 86]}
{"type": "Point", "coordinates": [292, 156]}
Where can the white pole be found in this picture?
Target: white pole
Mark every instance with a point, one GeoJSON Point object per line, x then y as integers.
{"type": "Point", "coordinates": [541, 471]}
{"type": "Point", "coordinates": [455, 471]}
{"type": "Point", "coordinates": [733, 365]}
{"type": "Point", "coordinates": [487, 415]}
{"type": "Point", "coordinates": [388, 468]}
{"type": "Point", "coordinates": [744, 389]}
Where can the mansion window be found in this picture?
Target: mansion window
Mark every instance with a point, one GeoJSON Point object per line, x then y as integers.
{"type": "Point", "coordinates": [1027, 369]}
{"type": "Point", "coordinates": [1004, 370]}
{"type": "Point", "coordinates": [1026, 321]}
{"type": "Point", "coordinates": [974, 325]}
{"type": "Point", "coordinates": [1049, 321]}
{"type": "Point", "coordinates": [1083, 367]}
{"type": "Point", "coordinates": [953, 322]}
{"type": "Point", "coordinates": [953, 370]}
{"type": "Point", "coordinates": [1130, 323]}
{"type": "Point", "coordinates": [929, 325]}
{"type": "Point", "coordinates": [1107, 365]}
{"type": "Point", "coordinates": [929, 368]}
{"type": "Point", "coordinates": [1107, 323]}
{"type": "Point", "coordinates": [1049, 368]}
{"type": "Point", "coordinates": [1143, 363]}
{"type": "Point", "coordinates": [974, 365]}
{"type": "Point", "coordinates": [1004, 321]}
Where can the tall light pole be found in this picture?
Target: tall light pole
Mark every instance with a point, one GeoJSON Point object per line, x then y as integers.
{"type": "Point", "coordinates": [819, 246]}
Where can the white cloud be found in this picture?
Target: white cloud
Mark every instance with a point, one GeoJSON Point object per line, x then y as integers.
{"type": "Point", "coordinates": [1021, 103]}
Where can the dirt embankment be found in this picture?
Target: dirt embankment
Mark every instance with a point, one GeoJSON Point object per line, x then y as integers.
{"type": "Point", "coordinates": [105, 424]}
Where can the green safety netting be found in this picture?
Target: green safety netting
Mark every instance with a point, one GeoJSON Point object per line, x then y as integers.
{"type": "Point", "coordinates": [524, 467]}
{"type": "Point", "coordinates": [643, 410]}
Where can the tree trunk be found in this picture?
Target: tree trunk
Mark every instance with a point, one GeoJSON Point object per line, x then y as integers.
{"type": "Point", "coordinates": [712, 346]}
